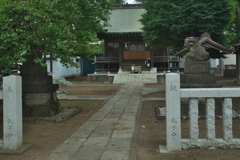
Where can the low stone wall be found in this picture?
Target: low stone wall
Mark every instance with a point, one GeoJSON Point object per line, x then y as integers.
{"type": "Point", "coordinates": [229, 72]}
{"type": "Point", "coordinates": [100, 78]}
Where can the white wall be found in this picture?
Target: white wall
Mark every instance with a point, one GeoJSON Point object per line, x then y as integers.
{"type": "Point", "coordinates": [181, 62]}
{"type": "Point", "coordinates": [61, 71]}
{"type": "Point", "coordinates": [213, 63]}
{"type": "Point", "coordinates": [230, 60]}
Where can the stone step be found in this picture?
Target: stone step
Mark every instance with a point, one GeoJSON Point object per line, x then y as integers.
{"type": "Point", "coordinates": [62, 81]}
{"type": "Point", "coordinates": [132, 77]}
{"type": "Point", "coordinates": [66, 83]}
{"type": "Point", "coordinates": [128, 67]}
{"type": "Point", "coordinates": [135, 78]}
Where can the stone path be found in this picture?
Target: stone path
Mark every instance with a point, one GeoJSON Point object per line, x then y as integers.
{"type": "Point", "coordinates": [135, 78]}
{"type": "Point", "coordinates": [84, 97]}
{"type": "Point", "coordinates": [107, 134]}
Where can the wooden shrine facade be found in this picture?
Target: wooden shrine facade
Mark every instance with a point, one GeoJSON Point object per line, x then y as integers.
{"type": "Point", "coordinates": [125, 47]}
{"type": "Point", "coordinates": [125, 50]}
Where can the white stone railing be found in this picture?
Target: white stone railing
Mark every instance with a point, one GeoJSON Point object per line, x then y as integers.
{"type": "Point", "coordinates": [173, 114]}
{"type": "Point", "coordinates": [12, 112]}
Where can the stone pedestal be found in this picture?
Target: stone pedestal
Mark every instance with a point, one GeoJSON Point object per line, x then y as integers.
{"type": "Point", "coordinates": [39, 92]}
{"type": "Point", "coordinates": [197, 75]}
{"type": "Point", "coordinates": [197, 67]}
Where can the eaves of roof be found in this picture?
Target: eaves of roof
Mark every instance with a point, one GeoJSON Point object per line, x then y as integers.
{"type": "Point", "coordinates": [208, 43]}
{"type": "Point", "coordinates": [125, 21]}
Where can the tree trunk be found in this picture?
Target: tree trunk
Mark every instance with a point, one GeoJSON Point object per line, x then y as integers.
{"type": "Point", "coordinates": [237, 41]}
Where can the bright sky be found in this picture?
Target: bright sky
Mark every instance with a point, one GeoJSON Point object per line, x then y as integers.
{"type": "Point", "coordinates": [130, 1]}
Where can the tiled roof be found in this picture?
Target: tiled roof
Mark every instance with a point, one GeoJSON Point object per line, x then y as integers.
{"type": "Point", "coordinates": [126, 20]}
{"type": "Point", "coordinates": [208, 43]}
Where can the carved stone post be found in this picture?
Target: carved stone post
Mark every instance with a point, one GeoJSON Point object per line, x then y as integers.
{"type": "Point", "coordinates": [173, 117]}
{"type": "Point", "coordinates": [12, 108]}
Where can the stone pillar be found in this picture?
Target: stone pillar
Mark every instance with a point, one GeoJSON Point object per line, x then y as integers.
{"type": "Point", "coordinates": [193, 118]}
{"type": "Point", "coordinates": [95, 68]}
{"type": "Point", "coordinates": [173, 117]}
{"type": "Point", "coordinates": [12, 108]}
{"type": "Point", "coordinates": [152, 62]}
{"type": "Point", "coordinates": [210, 118]}
{"type": "Point", "coordinates": [221, 66]}
{"type": "Point", "coordinates": [120, 57]}
{"type": "Point", "coordinates": [227, 118]}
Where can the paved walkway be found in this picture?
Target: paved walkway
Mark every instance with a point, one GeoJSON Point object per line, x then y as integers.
{"type": "Point", "coordinates": [107, 134]}
{"type": "Point", "coordinates": [84, 97]}
{"type": "Point", "coordinates": [63, 95]}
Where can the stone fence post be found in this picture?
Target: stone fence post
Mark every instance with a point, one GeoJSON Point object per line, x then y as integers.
{"type": "Point", "coordinates": [173, 115]}
{"type": "Point", "coordinates": [12, 108]}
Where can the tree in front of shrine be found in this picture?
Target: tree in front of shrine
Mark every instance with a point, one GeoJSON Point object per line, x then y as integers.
{"type": "Point", "coordinates": [120, 1]}
{"type": "Point", "coordinates": [166, 23]}
{"type": "Point", "coordinates": [50, 27]}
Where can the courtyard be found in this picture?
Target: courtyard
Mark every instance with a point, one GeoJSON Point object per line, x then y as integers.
{"type": "Point", "coordinates": [46, 135]}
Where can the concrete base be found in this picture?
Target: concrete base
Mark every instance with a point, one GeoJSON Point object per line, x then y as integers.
{"type": "Point", "coordinates": [20, 150]}
{"type": "Point", "coordinates": [163, 149]}
{"type": "Point", "coordinates": [196, 67]}
{"type": "Point", "coordinates": [40, 104]}
{"type": "Point", "coordinates": [210, 144]}
{"type": "Point", "coordinates": [197, 75]}
{"type": "Point", "coordinates": [198, 81]}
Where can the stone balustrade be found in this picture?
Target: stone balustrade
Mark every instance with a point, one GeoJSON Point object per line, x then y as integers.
{"type": "Point", "coordinates": [173, 120]}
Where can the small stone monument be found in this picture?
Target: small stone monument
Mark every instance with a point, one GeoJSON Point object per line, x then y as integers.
{"type": "Point", "coordinates": [197, 67]}
{"type": "Point", "coordinates": [39, 92]}
{"type": "Point", "coordinates": [12, 108]}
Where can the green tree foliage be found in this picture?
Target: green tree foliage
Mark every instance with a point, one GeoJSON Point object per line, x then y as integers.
{"type": "Point", "coordinates": [57, 27]}
{"type": "Point", "coordinates": [168, 22]}
{"type": "Point", "coordinates": [232, 34]}
{"type": "Point", "coordinates": [236, 26]}
{"type": "Point", "coordinates": [120, 2]}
